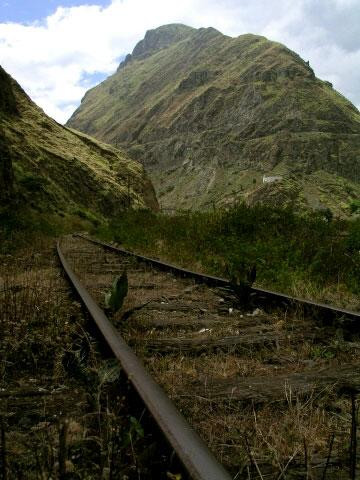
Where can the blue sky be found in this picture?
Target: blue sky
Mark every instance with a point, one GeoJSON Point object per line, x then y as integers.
{"type": "Point", "coordinates": [58, 49]}
{"type": "Point", "coordinates": [22, 11]}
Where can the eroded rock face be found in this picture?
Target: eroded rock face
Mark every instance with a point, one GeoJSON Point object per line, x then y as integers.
{"type": "Point", "coordinates": [209, 115]}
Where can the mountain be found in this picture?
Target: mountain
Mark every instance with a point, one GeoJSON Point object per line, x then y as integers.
{"type": "Point", "coordinates": [52, 170]}
{"type": "Point", "coordinates": [210, 116]}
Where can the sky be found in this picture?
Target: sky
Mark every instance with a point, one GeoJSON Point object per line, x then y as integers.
{"type": "Point", "coordinates": [58, 49]}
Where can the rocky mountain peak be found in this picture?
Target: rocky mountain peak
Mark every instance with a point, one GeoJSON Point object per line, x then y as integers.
{"type": "Point", "coordinates": [157, 39]}
{"type": "Point", "coordinates": [161, 37]}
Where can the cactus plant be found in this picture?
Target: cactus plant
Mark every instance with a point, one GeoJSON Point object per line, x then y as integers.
{"type": "Point", "coordinates": [114, 299]}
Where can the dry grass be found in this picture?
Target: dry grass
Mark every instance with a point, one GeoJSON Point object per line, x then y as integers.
{"type": "Point", "coordinates": [334, 294]}
{"type": "Point", "coordinates": [60, 407]}
{"type": "Point", "coordinates": [249, 437]}
{"type": "Point", "coordinates": [275, 433]}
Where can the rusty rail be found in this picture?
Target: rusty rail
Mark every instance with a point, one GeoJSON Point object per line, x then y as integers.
{"type": "Point", "coordinates": [328, 312]}
{"type": "Point", "coordinates": [191, 450]}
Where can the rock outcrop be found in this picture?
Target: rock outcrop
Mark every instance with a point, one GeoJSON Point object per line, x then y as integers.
{"type": "Point", "coordinates": [156, 40]}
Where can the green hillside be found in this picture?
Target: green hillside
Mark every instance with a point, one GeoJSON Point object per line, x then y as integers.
{"type": "Point", "coordinates": [50, 171]}
{"type": "Point", "coordinates": [209, 116]}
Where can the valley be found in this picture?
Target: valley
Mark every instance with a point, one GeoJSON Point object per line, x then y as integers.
{"type": "Point", "coordinates": [230, 161]}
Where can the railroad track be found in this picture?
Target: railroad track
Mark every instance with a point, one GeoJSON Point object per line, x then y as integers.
{"type": "Point", "coordinates": [265, 387]}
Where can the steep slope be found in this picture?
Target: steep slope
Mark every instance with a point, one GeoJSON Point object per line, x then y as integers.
{"type": "Point", "coordinates": [8, 109]}
{"type": "Point", "coordinates": [56, 171]}
{"type": "Point", "coordinates": [209, 116]}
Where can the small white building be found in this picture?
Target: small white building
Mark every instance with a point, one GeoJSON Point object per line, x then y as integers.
{"type": "Point", "coordinates": [275, 178]}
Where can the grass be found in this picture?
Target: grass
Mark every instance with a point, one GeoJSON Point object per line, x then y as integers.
{"type": "Point", "coordinates": [22, 226]}
{"type": "Point", "coordinates": [311, 255]}
{"type": "Point", "coordinates": [275, 432]}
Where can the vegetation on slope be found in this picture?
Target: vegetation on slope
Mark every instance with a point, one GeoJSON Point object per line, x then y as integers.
{"type": "Point", "coordinates": [51, 176]}
{"type": "Point", "coordinates": [209, 115]}
{"type": "Point", "coordinates": [314, 256]}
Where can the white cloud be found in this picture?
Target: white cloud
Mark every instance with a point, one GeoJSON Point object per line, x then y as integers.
{"type": "Point", "coordinates": [50, 58]}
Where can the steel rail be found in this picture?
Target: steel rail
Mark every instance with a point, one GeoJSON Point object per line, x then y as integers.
{"type": "Point", "coordinates": [190, 448]}
{"type": "Point", "coordinates": [329, 311]}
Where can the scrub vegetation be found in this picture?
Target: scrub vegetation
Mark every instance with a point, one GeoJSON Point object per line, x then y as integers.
{"type": "Point", "coordinates": [312, 255]}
